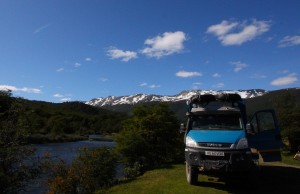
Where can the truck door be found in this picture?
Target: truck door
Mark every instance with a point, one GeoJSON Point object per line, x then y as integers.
{"type": "Point", "coordinates": [266, 135]}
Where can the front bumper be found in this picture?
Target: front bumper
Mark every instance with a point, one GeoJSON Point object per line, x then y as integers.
{"type": "Point", "coordinates": [232, 161]}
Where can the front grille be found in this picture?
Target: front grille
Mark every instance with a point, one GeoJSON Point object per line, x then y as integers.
{"type": "Point", "coordinates": [215, 145]}
{"type": "Point", "coordinates": [205, 157]}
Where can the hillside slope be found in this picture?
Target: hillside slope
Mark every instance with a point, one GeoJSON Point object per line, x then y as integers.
{"type": "Point", "coordinates": [264, 100]}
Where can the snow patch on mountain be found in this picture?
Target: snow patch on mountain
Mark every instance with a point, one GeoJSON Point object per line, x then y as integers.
{"type": "Point", "coordinates": [185, 95]}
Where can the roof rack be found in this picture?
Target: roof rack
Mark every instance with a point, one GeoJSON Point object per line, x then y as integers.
{"type": "Point", "coordinates": [222, 101]}
{"type": "Point", "coordinates": [206, 98]}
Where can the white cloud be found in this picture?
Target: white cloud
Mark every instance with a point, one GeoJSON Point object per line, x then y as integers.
{"type": "Point", "coordinates": [60, 69]}
{"type": "Point", "coordinates": [125, 56]}
{"type": "Point", "coordinates": [77, 65]}
{"type": "Point", "coordinates": [65, 99]}
{"type": "Point", "coordinates": [88, 59]}
{"type": "Point", "coordinates": [216, 75]}
{"type": "Point", "coordinates": [38, 30]}
{"type": "Point", "coordinates": [186, 74]}
{"type": "Point", "coordinates": [143, 84]}
{"type": "Point", "coordinates": [103, 79]}
{"type": "Point", "coordinates": [238, 66]}
{"type": "Point", "coordinates": [286, 80]}
{"type": "Point", "coordinates": [221, 29]}
{"type": "Point", "coordinates": [289, 41]}
{"type": "Point", "coordinates": [149, 86]}
{"type": "Point", "coordinates": [58, 95]}
{"type": "Point", "coordinates": [25, 89]}
{"type": "Point", "coordinates": [237, 33]}
{"type": "Point", "coordinates": [61, 97]}
{"type": "Point", "coordinates": [219, 85]}
{"type": "Point", "coordinates": [154, 86]}
{"type": "Point", "coordinates": [285, 71]}
{"type": "Point", "coordinates": [167, 44]}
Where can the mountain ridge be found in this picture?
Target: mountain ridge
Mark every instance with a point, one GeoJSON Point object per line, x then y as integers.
{"type": "Point", "coordinates": [184, 95]}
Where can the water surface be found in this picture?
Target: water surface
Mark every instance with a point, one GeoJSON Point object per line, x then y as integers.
{"type": "Point", "coordinates": [67, 151]}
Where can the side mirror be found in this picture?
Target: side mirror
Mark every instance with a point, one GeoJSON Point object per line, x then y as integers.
{"type": "Point", "coordinates": [250, 128]}
{"type": "Point", "coordinates": [182, 128]}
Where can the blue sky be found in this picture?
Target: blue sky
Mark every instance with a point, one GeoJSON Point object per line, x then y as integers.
{"type": "Point", "coordinates": [78, 50]}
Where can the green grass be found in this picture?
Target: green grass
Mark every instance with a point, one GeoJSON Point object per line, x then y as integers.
{"type": "Point", "coordinates": [288, 158]}
{"type": "Point", "coordinates": [172, 180]}
{"type": "Point", "coordinates": [162, 181]}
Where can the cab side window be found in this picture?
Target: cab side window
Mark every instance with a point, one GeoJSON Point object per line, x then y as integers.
{"type": "Point", "coordinates": [263, 121]}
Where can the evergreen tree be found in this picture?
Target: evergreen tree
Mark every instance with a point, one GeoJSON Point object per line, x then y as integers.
{"type": "Point", "coordinates": [14, 171]}
{"type": "Point", "coordinates": [150, 137]}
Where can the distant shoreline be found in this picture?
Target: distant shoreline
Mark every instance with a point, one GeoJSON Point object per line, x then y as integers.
{"type": "Point", "coordinates": [48, 138]}
{"type": "Point", "coordinates": [102, 139]}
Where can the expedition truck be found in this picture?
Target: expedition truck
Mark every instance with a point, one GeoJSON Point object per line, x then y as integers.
{"type": "Point", "coordinates": [220, 142]}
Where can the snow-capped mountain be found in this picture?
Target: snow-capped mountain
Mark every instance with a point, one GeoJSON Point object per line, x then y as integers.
{"type": "Point", "coordinates": [185, 95]}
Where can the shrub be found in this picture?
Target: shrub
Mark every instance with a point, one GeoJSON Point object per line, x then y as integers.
{"type": "Point", "coordinates": [150, 137]}
{"type": "Point", "coordinates": [92, 169]}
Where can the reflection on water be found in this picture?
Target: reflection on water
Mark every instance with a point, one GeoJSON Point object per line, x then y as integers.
{"type": "Point", "coordinates": [66, 151]}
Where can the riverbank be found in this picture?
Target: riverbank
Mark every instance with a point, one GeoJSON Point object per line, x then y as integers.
{"type": "Point", "coordinates": [59, 151]}
{"type": "Point", "coordinates": [49, 138]}
{"type": "Point", "coordinates": [105, 138]}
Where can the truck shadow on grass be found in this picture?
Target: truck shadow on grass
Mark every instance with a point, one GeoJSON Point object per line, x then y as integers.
{"type": "Point", "coordinates": [272, 179]}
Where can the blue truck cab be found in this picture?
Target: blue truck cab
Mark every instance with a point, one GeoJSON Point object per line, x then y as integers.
{"type": "Point", "coordinates": [219, 141]}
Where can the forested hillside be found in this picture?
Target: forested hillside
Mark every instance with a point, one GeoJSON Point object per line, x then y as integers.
{"type": "Point", "coordinates": [273, 99]}
{"type": "Point", "coordinates": [44, 121]}
{"type": "Point", "coordinates": [277, 99]}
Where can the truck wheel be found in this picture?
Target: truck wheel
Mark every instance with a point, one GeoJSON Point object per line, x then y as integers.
{"type": "Point", "coordinates": [191, 174]}
{"type": "Point", "coordinates": [253, 177]}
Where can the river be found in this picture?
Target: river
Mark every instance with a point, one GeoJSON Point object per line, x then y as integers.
{"type": "Point", "coordinates": [66, 151]}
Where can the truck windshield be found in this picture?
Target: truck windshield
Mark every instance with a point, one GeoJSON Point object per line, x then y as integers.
{"type": "Point", "coordinates": [223, 122]}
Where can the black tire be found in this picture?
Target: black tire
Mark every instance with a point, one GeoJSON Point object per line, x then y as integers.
{"type": "Point", "coordinates": [191, 174]}
{"type": "Point", "coordinates": [253, 177]}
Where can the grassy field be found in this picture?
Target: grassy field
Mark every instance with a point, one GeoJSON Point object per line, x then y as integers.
{"type": "Point", "coordinates": [274, 178]}
{"type": "Point", "coordinates": [288, 158]}
{"type": "Point", "coordinates": [167, 180]}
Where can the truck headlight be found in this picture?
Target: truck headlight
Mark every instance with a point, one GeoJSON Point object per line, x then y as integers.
{"type": "Point", "coordinates": [242, 144]}
{"type": "Point", "coordinates": [189, 142]}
